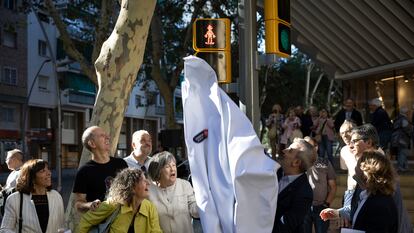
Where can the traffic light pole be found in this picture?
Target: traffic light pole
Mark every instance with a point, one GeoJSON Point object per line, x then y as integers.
{"type": "Point", "coordinates": [248, 75]}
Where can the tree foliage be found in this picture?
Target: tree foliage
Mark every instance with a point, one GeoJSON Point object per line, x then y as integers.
{"type": "Point", "coordinates": [171, 41]}
{"type": "Point", "coordinates": [286, 84]}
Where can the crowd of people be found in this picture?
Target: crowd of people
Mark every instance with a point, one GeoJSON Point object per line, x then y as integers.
{"type": "Point", "coordinates": [395, 136]}
{"type": "Point", "coordinates": [145, 194]}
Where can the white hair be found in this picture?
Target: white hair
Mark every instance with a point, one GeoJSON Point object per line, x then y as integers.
{"type": "Point", "coordinates": [377, 102]}
{"type": "Point", "coordinates": [404, 110]}
{"type": "Point", "coordinates": [138, 134]}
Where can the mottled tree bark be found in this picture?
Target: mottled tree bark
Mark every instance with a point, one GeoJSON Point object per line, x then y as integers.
{"type": "Point", "coordinates": [117, 67]}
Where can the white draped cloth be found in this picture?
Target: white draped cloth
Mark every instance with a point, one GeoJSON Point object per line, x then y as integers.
{"type": "Point", "coordinates": [235, 182]}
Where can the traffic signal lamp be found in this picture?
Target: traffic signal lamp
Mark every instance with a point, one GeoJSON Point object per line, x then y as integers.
{"type": "Point", "coordinates": [211, 34]}
{"type": "Point", "coordinates": [211, 41]}
{"type": "Point", "coordinates": [220, 61]}
{"type": "Point", "coordinates": [278, 39]}
{"type": "Point", "coordinates": [278, 27]}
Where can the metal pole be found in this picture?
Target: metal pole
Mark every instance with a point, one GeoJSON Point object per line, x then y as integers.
{"type": "Point", "coordinates": [248, 74]}
{"type": "Point", "coordinates": [309, 69]}
{"type": "Point", "coordinates": [315, 87]}
{"type": "Point", "coordinates": [26, 108]}
{"type": "Point", "coordinates": [58, 129]}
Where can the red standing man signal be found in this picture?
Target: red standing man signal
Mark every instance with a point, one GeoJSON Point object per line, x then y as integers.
{"type": "Point", "coordinates": [209, 35]}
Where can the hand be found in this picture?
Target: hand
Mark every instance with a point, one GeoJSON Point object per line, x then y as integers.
{"type": "Point", "coordinates": [344, 222]}
{"type": "Point", "coordinates": [328, 213]}
{"type": "Point", "coordinates": [94, 204]}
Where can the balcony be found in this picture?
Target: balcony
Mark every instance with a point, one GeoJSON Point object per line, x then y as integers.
{"type": "Point", "coordinates": [77, 98]}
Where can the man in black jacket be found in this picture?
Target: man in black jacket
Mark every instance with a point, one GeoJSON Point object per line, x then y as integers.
{"type": "Point", "coordinates": [348, 112]}
{"type": "Point", "coordinates": [381, 121]}
{"type": "Point", "coordinates": [295, 194]}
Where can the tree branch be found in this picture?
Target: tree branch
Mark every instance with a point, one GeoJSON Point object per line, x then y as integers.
{"type": "Point", "coordinates": [102, 29]}
{"type": "Point", "coordinates": [188, 36]}
{"type": "Point", "coordinates": [68, 44]}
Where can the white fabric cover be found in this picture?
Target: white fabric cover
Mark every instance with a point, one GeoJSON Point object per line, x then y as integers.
{"type": "Point", "coordinates": [235, 183]}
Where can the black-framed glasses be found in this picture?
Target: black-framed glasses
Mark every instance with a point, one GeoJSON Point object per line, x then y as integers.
{"type": "Point", "coordinates": [354, 141]}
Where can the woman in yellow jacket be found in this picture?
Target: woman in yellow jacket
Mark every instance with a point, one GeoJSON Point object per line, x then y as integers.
{"type": "Point", "coordinates": [137, 215]}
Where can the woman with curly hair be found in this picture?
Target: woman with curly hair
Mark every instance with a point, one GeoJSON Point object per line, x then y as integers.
{"type": "Point", "coordinates": [128, 192]}
{"type": "Point", "coordinates": [42, 208]}
{"type": "Point", "coordinates": [375, 211]}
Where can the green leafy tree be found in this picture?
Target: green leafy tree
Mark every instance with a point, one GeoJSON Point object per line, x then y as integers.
{"type": "Point", "coordinates": [171, 41]}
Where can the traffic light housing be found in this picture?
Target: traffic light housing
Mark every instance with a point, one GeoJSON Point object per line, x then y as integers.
{"type": "Point", "coordinates": [211, 41]}
{"type": "Point", "coordinates": [278, 27]}
{"type": "Point", "coordinates": [278, 38]}
{"type": "Point", "coordinates": [277, 9]}
{"type": "Point", "coordinates": [220, 61]}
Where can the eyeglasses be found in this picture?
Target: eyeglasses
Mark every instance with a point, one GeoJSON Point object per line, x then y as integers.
{"type": "Point", "coordinates": [354, 141]}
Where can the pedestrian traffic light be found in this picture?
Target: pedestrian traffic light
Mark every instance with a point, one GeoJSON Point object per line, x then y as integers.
{"type": "Point", "coordinates": [277, 9]}
{"type": "Point", "coordinates": [211, 34]}
{"type": "Point", "coordinates": [278, 40]}
{"type": "Point", "coordinates": [220, 61]}
{"type": "Point", "coordinates": [277, 27]}
{"type": "Point", "coordinates": [211, 41]}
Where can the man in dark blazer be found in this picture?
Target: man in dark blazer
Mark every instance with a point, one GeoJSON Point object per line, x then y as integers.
{"type": "Point", "coordinates": [295, 194]}
{"type": "Point", "coordinates": [348, 112]}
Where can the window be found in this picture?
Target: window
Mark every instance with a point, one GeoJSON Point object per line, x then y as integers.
{"type": "Point", "coordinates": [69, 121]}
{"type": "Point", "coordinates": [137, 101]}
{"type": "Point", "coordinates": [160, 101]}
{"type": "Point", "coordinates": [7, 114]}
{"type": "Point", "coordinates": [10, 39]}
{"type": "Point", "coordinates": [42, 48]}
{"type": "Point", "coordinates": [43, 83]}
{"type": "Point", "coordinates": [140, 101]}
{"type": "Point", "coordinates": [9, 4]}
{"type": "Point", "coordinates": [9, 76]}
{"type": "Point", "coordinates": [39, 118]}
{"type": "Point", "coordinates": [43, 17]}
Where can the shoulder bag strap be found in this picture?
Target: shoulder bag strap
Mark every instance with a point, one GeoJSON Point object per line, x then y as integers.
{"type": "Point", "coordinates": [20, 214]}
{"type": "Point", "coordinates": [104, 227]}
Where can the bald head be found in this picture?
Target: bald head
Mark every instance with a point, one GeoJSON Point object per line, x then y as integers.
{"type": "Point", "coordinates": [14, 159]}
{"type": "Point", "coordinates": [88, 136]}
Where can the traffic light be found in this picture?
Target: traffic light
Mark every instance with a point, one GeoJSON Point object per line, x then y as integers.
{"type": "Point", "coordinates": [211, 41]}
{"type": "Point", "coordinates": [277, 9]}
{"type": "Point", "coordinates": [277, 27]}
{"type": "Point", "coordinates": [278, 38]}
{"type": "Point", "coordinates": [220, 61]}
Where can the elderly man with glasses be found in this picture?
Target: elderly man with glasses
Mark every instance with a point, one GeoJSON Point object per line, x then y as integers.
{"type": "Point", "coordinates": [365, 138]}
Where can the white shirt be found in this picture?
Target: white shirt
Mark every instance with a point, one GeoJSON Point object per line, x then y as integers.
{"type": "Point", "coordinates": [133, 163]}
{"type": "Point", "coordinates": [175, 205]}
{"type": "Point", "coordinates": [12, 179]}
{"type": "Point", "coordinates": [286, 180]}
{"type": "Point", "coordinates": [348, 162]}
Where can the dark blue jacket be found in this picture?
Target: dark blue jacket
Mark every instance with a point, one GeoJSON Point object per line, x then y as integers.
{"type": "Point", "coordinates": [293, 203]}
{"type": "Point", "coordinates": [378, 215]}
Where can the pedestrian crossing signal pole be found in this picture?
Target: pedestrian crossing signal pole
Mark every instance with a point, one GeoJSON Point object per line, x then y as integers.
{"type": "Point", "coordinates": [278, 27]}
{"type": "Point", "coordinates": [211, 41]}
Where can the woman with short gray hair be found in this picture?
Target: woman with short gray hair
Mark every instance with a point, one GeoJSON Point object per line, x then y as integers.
{"type": "Point", "coordinates": [173, 197]}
